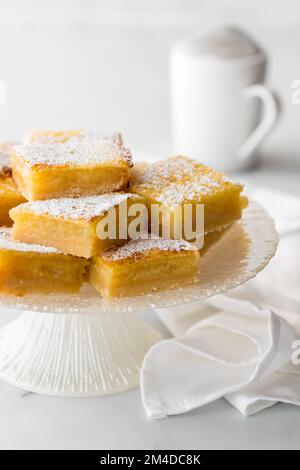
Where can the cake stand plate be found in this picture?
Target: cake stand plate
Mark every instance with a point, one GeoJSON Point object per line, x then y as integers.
{"type": "Point", "coordinates": [83, 345]}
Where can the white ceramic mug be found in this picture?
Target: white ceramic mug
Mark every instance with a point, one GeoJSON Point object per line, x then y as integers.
{"type": "Point", "coordinates": [217, 91]}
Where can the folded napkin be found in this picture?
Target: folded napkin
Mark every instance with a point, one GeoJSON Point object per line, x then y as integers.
{"type": "Point", "coordinates": [243, 350]}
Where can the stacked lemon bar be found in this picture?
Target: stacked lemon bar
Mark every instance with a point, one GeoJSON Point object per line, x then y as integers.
{"type": "Point", "coordinates": [76, 184]}
{"type": "Point", "coordinates": [179, 183]}
{"type": "Point", "coordinates": [10, 196]}
{"type": "Point", "coordinates": [79, 166]}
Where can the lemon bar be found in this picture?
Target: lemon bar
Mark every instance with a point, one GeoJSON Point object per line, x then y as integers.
{"type": "Point", "coordinates": [179, 181]}
{"type": "Point", "coordinates": [71, 169]}
{"type": "Point", "coordinates": [144, 265]}
{"type": "Point", "coordinates": [28, 268]}
{"type": "Point", "coordinates": [60, 137]}
{"type": "Point", "coordinates": [9, 194]}
{"type": "Point", "coordinates": [72, 224]}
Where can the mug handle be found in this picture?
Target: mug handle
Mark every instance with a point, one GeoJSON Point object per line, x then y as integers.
{"type": "Point", "coordinates": [272, 110]}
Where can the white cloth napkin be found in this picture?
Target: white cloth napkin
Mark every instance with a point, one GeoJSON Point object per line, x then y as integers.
{"type": "Point", "coordinates": [228, 346]}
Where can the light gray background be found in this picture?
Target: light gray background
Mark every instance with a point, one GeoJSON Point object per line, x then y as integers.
{"type": "Point", "coordinates": [104, 65]}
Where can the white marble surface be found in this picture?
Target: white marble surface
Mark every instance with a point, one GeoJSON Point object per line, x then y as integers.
{"type": "Point", "coordinates": [118, 422]}
{"type": "Point", "coordinates": [102, 64]}
{"type": "Point", "coordinates": [30, 421]}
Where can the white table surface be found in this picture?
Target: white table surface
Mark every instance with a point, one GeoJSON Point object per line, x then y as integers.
{"type": "Point", "coordinates": [104, 65]}
{"type": "Point", "coordinates": [31, 421]}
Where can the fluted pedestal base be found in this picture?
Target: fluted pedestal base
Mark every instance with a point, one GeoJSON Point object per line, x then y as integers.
{"type": "Point", "coordinates": [74, 354]}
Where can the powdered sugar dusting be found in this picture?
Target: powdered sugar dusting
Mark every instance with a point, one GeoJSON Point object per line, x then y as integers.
{"type": "Point", "coordinates": [82, 153]}
{"type": "Point", "coordinates": [178, 193]}
{"type": "Point", "coordinates": [171, 169]}
{"type": "Point", "coordinates": [59, 137]}
{"type": "Point", "coordinates": [179, 180]}
{"type": "Point", "coordinates": [8, 243]}
{"type": "Point", "coordinates": [144, 245]}
{"type": "Point", "coordinates": [228, 179]}
{"type": "Point", "coordinates": [86, 208]}
{"type": "Point", "coordinates": [115, 137]}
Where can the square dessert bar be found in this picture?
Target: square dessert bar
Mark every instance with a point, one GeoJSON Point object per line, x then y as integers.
{"type": "Point", "coordinates": [27, 268]}
{"type": "Point", "coordinates": [9, 194]}
{"type": "Point", "coordinates": [144, 265]}
{"type": "Point", "coordinates": [70, 224]}
{"type": "Point", "coordinates": [177, 181]}
{"type": "Point", "coordinates": [72, 169]}
{"type": "Point", "coordinates": [60, 137]}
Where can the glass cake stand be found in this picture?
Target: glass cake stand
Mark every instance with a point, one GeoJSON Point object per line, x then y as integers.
{"type": "Point", "coordinates": [83, 345]}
